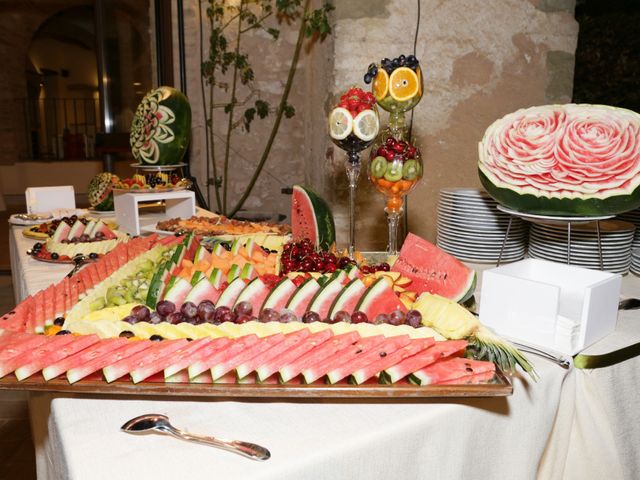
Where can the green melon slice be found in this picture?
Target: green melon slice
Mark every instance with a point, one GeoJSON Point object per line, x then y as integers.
{"type": "Point", "coordinates": [311, 218]}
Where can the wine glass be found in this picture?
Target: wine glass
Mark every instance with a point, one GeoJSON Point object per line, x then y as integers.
{"type": "Point", "coordinates": [353, 126]}
{"type": "Point", "coordinates": [396, 163]}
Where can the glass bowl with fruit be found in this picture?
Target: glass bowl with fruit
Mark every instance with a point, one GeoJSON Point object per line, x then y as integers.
{"type": "Point", "coordinates": [353, 126]}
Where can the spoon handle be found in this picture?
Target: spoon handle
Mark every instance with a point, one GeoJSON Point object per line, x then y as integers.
{"type": "Point", "coordinates": [246, 449]}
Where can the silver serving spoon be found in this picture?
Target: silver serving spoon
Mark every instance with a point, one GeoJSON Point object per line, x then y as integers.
{"type": "Point", "coordinates": [158, 422]}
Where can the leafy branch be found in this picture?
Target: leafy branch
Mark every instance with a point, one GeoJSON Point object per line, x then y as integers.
{"type": "Point", "coordinates": [226, 58]}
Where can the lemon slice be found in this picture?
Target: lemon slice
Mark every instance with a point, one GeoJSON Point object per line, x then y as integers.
{"type": "Point", "coordinates": [403, 84]}
{"type": "Point", "coordinates": [340, 123]}
{"type": "Point", "coordinates": [366, 125]}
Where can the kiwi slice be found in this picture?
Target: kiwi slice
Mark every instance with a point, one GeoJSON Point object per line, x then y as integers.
{"type": "Point", "coordinates": [394, 172]}
{"type": "Point", "coordinates": [410, 170]}
{"type": "Point", "coordinates": [378, 166]}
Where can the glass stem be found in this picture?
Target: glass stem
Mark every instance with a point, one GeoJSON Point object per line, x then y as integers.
{"type": "Point", "coordinates": [353, 174]}
{"type": "Point", "coordinates": [393, 219]}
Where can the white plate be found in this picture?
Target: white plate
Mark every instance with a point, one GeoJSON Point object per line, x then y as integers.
{"type": "Point", "coordinates": [510, 251]}
{"type": "Point", "coordinates": [480, 241]}
{"type": "Point", "coordinates": [479, 230]}
{"type": "Point", "coordinates": [553, 218]}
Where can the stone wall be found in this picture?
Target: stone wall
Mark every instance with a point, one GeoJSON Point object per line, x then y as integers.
{"type": "Point", "coordinates": [481, 60]}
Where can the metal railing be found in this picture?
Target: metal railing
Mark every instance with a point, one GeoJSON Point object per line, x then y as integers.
{"type": "Point", "coordinates": [54, 128]}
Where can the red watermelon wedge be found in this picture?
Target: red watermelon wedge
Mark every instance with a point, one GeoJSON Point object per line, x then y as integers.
{"type": "Point", "coordinates": [451, 369]}
{"type": "Point", "coordinates": [318, 353]}
{"type": "Point", "coordinates": [76, 345]}
{"type": "Point", "coordinates": [290, 340]}
{"type": "Point", "coordinates": [140, 359]}
{"type": "Point", "coordinates": [95, 363]}
{"type": "Point", "coordinates": [268, 368]}
{"type": "Point", "coordinates": [377, 365]}
{"type": "Point", "coordinates": [34, 354]}
{"type": "Point", "coordinates": [362, 358]}
{"type": "Point", "coordinates": [412, 364]}
{"type": "Point", "coordinates": [16, 347]}
{"type": "Point", "coordinates": [433, 270]}
{"type": "Point", "coordinates": [231, 362]}
{"type": "Point", "coordinates": [379, 298]}
{"type": "Point", "coordinates": [220, 355]}
{"type": "Point", "coordinates": [182, 362]}
{"type": "Point", "coordinates": [324, 365]}
{"type": "Point", "coordinates": [311, 218]}
{"type": "Point", "coordinates": [470, 379]}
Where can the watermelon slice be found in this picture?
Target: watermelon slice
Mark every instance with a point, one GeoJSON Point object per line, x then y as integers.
{"type": "Point", "coordinates": [14, 348]}
{"type": "Point", "coordinates": [75, 374]}
{"type": "Point", "coordinates": [230, 362]}
{"type": "Point", "coordinates": [268, 368]}
{"type": "Point", "coordinates": [177, 290]}
{"type": "Point", "coordinates": [62, 365]}
{"type": "Point", "coordinates": [220, 355]}
{"type": "Point", "coordinates": [302, 297]}
{"type": "Point", "coordinates": [377, 365]}
{"type": "Point", "coordinates": [185, 361]}
{"type": "Point", "coordinates": [451, 369]}
{"type": "Point", "coordinates": [290, 340]}
{"type": "Point", "coordinates": [470, 379]}
{"type": "Point", "coordinates": [202, 254]}
{"type": "Point", "coordinates": [34, 354]}
{"type": "Point", "coordinates": [348, 298]}
{"type": "Point", "coordinates": [203, 290]}
{"type": "Point", "coordinates": [137, 363]}
{"type": "Point", "coordinates": [379, 298]}
{"type": "Point", "coordinates": [325, 365]}
{"type": "Point", "coordinates": [168, 358]}
{"type": "Point", "coordinates": [76, 344]}
{"type": "Point", "coordinates": [280, 295]}
{"type": "Point", "coordinates": [318, 353]}
{"type": "Point", "coordinates": [76, 230]}
{"type": "Point", "coordinates": [254, 293]}
{"type": "Point", "coordinates": [323, 300]}
{"type": "Point", "coordinates": [230, 294]}
{"type": "Point", "coordinates": [412, 364]}
{"type": "Point", "coordinates": [61, 233]}
{"type": "Point", "coordinates": [311, 218]}
{"type": "Point", "coordinates": [433, 270]}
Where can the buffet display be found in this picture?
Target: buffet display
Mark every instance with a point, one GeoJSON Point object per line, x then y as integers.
{"type": "Point", "coordinates": [218, 303]}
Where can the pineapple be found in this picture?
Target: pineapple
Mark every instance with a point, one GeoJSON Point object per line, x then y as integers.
{"type": "Point", "coordinates": [455, 322]}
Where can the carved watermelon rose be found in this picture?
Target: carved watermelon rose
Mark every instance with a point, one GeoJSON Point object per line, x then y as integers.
{"type": "Point", "coordinates": [564, 160]}
{"type": "Point", "coordinates": [161, 128]}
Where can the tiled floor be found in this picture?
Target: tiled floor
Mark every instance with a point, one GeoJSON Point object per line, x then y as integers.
{"type": "Point", "coordinates": [17, 461]}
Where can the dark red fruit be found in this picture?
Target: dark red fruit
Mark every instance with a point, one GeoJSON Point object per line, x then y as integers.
{"type": "Point", "coordinates": [359, 317]}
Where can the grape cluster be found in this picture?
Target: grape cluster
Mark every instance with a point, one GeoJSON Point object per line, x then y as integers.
{"type": "Point", "coordinates": [206, 312]}
{"type": "Point", "coordinates": [301, 256]}
{"type": "Point", "coordinates": [389, 65]}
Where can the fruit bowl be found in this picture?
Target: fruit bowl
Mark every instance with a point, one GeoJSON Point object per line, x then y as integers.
{"type": "Point", "coordinates": [396, 84]}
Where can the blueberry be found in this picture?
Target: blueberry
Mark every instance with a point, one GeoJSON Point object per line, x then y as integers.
{"type": "Point", "coordinates": [37, 246]}
{"type": "Point", "coordinates": [367, 78]}
{"type": "Point", "coordinates": [126, 334]}
{"type": "Point", "coordinates": [156, 338]}
{"type": "Point", "coordinates": [59, 321]}
{"type": "Point", "coordinates": [54, 256]}
{"type": "Point", "coordinates": [64, 332]}
{"type": "Point", "coordinates": [93, 255]}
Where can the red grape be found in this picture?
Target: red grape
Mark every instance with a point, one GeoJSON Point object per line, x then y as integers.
{"type": "Point", "coordinates": [414, 318]}
{"type": "Point", "coordinates": [359, 317]}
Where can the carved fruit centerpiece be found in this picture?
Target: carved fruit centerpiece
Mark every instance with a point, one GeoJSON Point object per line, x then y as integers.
{"type": "Point", "coordinates": [161, 127]}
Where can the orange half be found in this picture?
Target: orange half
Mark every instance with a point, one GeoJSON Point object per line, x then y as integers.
{"type": "Point", "coordinates": [380, 85]}
{"type": "Point", "coordinates": [403, 84]}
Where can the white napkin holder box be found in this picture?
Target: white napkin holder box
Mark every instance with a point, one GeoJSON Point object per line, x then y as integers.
{"type": "Point", "coordinates": [178, 204]}
{"type": "Point", "coordinates": [551, 305]}
{"type": "Point", "coordinates": [46, 199]}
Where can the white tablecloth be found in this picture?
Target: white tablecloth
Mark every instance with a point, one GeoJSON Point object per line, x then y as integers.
{"type": "Point", "coordinates": [571, 424]}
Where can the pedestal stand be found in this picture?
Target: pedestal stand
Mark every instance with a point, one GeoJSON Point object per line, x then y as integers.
{"type": "Point", "coordinates": [555, 220]}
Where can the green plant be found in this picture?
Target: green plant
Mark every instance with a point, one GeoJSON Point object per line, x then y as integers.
{"type": "Point", "coordinates": [228, 22]}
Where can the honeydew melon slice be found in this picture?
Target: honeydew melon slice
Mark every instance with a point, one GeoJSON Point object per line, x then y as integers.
{"type": "Point", "coordinates": [216, 278]}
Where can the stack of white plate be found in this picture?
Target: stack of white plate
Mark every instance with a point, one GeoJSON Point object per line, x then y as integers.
{"type": "Point", "coordinates": [549, 242]}
{"type": "Point", "coordinates": [634, 217]}
{"type": "Point", "coordinates": [471, 228]}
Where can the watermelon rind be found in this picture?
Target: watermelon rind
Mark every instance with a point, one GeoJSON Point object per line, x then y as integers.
{"type": "Point", "coordinates": [311, 218]}
{"type": "Point", "coordinates": [354, 288]}
{"type": "Point", "coordinates": [560, 206]}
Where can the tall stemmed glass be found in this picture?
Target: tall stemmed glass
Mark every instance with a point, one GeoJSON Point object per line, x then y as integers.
{"type": "Point", "coordinates": [353, 126]}
{"type": "Point", "coordinates": [396, 163]}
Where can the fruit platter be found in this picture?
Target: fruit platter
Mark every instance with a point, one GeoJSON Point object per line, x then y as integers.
{"type": "Point", "coordinates": [176, 315]}
{"type": "Point", "coordinates": [152, 182]}
{"type": "Point", "coordinates": [45, 230]}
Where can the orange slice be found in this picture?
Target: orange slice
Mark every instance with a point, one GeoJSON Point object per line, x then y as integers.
{"type": "Point", "coordinates": [403, 84]}
{"type": "Point", "coordinates": [380, 85]}
{"type": "Point", "coordinates": [419, 74]}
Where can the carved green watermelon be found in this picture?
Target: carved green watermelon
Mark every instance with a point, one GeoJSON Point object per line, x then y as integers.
{"type": "Point", "coordinates": [100, 191]}
{"type": "Point", "coordinates": [564, 160]}
{"type": "Point", "coordinates": [161, 128]}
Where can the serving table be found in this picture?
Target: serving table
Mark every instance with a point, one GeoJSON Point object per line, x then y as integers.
{"type": "Point", "coordinates": [570, 424]}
